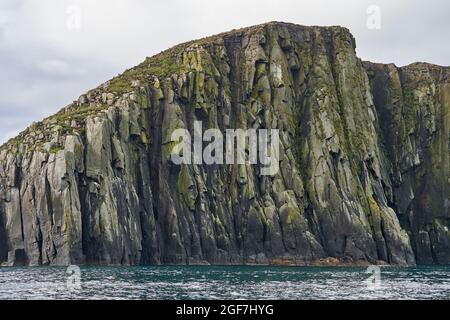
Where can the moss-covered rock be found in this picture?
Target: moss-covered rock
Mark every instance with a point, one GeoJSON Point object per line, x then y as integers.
{"type": "Point", "coordinates": [364, 165]}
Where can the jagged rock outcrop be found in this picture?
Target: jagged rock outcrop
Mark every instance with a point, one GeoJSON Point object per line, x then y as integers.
{"type": "Point", "coordinates": [413, 104]}
{"type": "Point", "coordinates": [364, 160]}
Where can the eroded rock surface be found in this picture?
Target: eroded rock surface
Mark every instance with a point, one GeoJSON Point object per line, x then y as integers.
{"type": "Point", "coordinates": [364, 160]}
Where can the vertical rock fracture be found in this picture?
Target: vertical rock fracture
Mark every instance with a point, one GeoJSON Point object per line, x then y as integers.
{"type": "Point", "coordinates": [364, 160]}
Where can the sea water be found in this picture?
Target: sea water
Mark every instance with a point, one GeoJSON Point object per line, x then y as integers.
{"type": "Point", "coordinates": [224, 282]}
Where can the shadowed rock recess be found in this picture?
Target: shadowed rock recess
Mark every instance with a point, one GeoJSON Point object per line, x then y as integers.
{"type": "Point", "coordinates": [364, 160]}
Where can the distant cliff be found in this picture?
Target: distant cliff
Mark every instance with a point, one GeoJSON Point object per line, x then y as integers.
{"type": "Point", "coordinates": [364, 160]}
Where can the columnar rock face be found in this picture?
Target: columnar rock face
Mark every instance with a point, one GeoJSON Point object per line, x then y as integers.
{"type": "Point", "coordinates": [413, 105]}
{"type": "Point", "coordinates": [364, 160]}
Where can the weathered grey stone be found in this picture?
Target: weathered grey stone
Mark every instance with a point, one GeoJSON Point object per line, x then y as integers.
{"type": "Point", "coordinates": [364, 164]}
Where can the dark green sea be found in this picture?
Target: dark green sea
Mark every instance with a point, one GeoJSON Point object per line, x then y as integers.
{"type": "Point", "coordinates": [230, 282]}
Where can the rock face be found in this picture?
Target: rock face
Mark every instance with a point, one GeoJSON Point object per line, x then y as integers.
{"type": "Point", "coordinates": [364, 160]}
{"type": "Point", "coordinates": [413, 105]}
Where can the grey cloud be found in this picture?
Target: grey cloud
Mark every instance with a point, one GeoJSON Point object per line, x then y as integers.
{"type": "Point", "coordinates": [59, 68]}
{"type": "Point", "coordinates": [45, 66]}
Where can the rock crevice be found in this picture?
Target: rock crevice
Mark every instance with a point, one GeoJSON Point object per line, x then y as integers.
{"type": "Point", "coordinates": [363, 170]}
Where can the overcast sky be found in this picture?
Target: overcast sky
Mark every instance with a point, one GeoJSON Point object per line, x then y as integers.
{"type": "Point", "coordinates": [51, 51]}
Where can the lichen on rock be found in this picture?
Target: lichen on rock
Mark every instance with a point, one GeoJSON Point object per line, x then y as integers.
{"type": "Point", "coordinates": [364, 160]}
